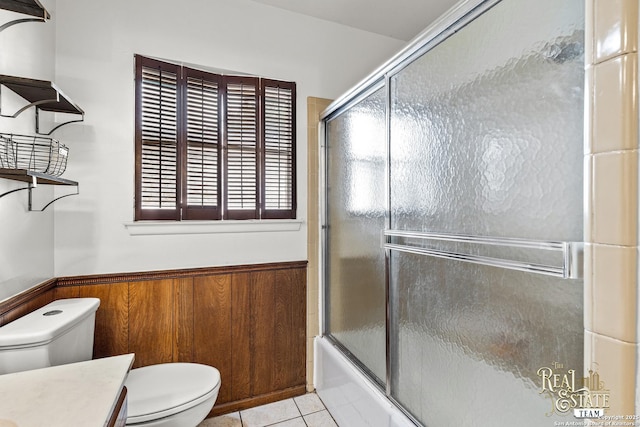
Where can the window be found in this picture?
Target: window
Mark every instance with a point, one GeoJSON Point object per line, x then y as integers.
{"type": "Point", "coordinates": [212, 147]}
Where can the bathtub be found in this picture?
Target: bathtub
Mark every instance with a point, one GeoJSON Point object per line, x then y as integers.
{"type": "Point", "coordinates": [350, 396]}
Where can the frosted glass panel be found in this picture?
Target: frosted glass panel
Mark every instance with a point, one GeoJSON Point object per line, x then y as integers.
{"type": "Point", "coordinates": [487, 127]}
{"type": "Point", "coordinates": [468, 340]}
{"type": "Point", "coordinates": [355, 296]}
{"type": "Point", "coordinates": [486, 139]}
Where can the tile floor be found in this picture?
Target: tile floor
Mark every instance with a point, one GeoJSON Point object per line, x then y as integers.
{"type": "Point", "coordinates": [302, 411]}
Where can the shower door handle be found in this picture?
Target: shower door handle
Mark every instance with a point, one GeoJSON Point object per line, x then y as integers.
{"type": "Point", "coordinates": [569, 268]}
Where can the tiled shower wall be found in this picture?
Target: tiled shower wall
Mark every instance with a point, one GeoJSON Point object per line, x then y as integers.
{"type": "Point", "coordinates": [315, 106]}
{"type": "Point", "coordinates": [611, 198]}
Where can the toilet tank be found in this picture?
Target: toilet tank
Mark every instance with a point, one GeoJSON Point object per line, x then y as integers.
{"type": "Point", "coordinates": [58, 333]}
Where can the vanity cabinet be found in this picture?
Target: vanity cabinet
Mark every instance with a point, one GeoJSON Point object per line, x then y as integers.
{"type": "Point", "coordinates": [119, 415]}
{"type": "Point", "coordinates": [89, 393]}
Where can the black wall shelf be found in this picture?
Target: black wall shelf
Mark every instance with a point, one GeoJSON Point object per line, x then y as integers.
{"type": "Point", "coordinates": [42, 94]}
{"type": "Point", "coordinates": [26, 7]}
{"type": "Point", "coordinates": [26, 175]}
{"type": "Point", "coordinates": [33, 179]}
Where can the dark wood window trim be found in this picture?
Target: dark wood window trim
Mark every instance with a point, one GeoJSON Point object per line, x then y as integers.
{"type": "Point", "coordinates": [213, 147]}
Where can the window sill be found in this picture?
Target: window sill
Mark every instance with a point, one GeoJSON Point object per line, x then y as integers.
{"type": "Point", "coordinates": [151, 228]}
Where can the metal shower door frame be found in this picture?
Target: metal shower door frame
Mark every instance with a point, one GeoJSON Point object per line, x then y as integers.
{"type": "Point", "coordinates": [450, 23]}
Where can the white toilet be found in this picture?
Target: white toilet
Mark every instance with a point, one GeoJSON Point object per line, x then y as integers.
{"type": "Point", "coordinates": [165, 395]}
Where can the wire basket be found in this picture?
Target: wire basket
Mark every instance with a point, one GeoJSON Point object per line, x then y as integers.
{"type": "Point", "coordinates": [35, 153]}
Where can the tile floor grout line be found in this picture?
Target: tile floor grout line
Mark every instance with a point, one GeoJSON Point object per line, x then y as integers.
{"type": "Point", "coordinates": [284, 421]}
{"type": "Point", "coordinates": [325, 407]}
{"type": "Point", "coordinates": [298, 408]}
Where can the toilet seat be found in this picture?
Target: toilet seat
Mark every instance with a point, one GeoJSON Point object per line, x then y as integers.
{"type": "Point", "coordinates": [159, 391]}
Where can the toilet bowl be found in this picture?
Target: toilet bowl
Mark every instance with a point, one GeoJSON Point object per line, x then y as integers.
{"type": "Point", "coordinates": [164, 395]}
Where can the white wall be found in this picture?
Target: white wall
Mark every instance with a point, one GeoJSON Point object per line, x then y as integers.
{"type": "Point", "coordinates": [96, 41]}
{"type": "Point", "coordinates": [26, 238]}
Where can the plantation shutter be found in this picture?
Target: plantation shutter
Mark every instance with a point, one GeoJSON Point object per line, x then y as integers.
{"type": "Point", "coordinates": [212, 147]}
{"type": "Point", "coordinates": [278, 130]}
{"type": "Point", "coordinates": [202, 157]}
{"type": "Point", "coordinates": [241, 159]}
{"type": "Point", "coordinates": [156, 139]}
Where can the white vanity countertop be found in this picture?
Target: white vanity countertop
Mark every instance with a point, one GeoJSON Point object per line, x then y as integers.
{"type": "Point", "coordinates": [78, 394]}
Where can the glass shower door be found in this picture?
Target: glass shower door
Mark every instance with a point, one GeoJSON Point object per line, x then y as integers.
{"type": "Point", "coordinates": [355, 313]}
{"type": "Point", "coordinates": [486, 146]}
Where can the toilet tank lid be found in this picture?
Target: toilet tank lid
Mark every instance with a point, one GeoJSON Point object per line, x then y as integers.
{"type": "Point", "coordinates": [46, 323]}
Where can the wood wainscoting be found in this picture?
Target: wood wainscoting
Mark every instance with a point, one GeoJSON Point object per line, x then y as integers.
{"type": "Point", "coordinates": [247, 321]}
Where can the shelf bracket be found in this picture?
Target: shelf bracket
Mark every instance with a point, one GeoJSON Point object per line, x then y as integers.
{"type": "Point", "coordinates": [31, 186]}
{"type": "Point", "coordinates": [13, 191]}
{"type": "Point", "coordinates": [19, 21]}
{"type": "Point", "coordinates": [33, 179]}
{"type": "Point", "coordinates": [81, 119]}
{"type": "Point", "coordinates": [29, 105]}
